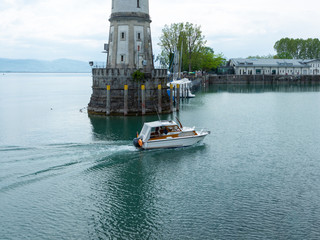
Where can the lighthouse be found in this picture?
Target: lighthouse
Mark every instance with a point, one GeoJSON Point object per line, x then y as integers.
{"type": "Point", "coordinates": [129, 44]}
{"type": "Point", "coordinates": [129, 84]}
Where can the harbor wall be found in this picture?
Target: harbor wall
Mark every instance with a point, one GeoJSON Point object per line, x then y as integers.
{"type": "Point", "coordinates": [263, 79]}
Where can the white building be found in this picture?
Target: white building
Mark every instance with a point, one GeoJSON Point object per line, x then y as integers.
{"type": "Point", "coordinates": [129, 43]}
{"type": "Point", "coordinates": [314, 66]}
{"type": "Point", "coordinates": [244, 66]}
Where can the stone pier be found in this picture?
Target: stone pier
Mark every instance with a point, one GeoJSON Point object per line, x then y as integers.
{"type": "Point", "coordinates": [115, 92]}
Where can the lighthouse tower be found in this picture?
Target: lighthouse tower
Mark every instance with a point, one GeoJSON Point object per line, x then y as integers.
{"type": "Point", "coordinates": [129, 84]}
{"type": "Point", "coordinates": [130, 35]}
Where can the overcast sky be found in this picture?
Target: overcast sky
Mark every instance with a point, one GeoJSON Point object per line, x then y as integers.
{"type": "Point", "coordinates": [77, 29]}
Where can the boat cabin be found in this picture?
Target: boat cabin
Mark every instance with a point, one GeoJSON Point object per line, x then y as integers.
{"type": "Point", "coordinates": [164, 129]}
{"type": "Point", "coordinates": [153, 130]}
{"type": "Point", "coordinates": [157, 132]}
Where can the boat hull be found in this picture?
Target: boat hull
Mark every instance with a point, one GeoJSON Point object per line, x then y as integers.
{"type": "Point", "coordinates": [174, 142]}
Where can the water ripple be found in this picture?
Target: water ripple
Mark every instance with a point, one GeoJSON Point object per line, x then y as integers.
{"type": "Point", "coordinates": [14, 148]}
{"type": "Point", "coordinates": [54, 168]}
{"type": "Point", "coordinates": [23, 183]}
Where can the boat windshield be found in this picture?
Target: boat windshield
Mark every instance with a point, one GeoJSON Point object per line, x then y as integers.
{"type": "Point", "coordinates": [145, 132]}
{"type": "Point", "coordinates": [174, 128]}
{"type": "Point", "coordinates": [158, 131]}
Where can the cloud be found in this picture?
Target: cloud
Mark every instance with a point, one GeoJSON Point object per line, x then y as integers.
{"type": "Point", "coordinates": [44, 27]}
{"type": "Point", "coordinates": [77, 29]}
{"type": "Point", "coordinates": [241, 28]}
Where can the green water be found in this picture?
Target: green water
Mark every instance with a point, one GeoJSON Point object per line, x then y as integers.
{"type": "Point", "coordinates": [64, 175]}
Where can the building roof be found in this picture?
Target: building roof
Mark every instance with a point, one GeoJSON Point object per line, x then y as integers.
{"type": "Point", "coordinates": [312, 60]}
{"type": "Point", "coordinates": [238, 62]}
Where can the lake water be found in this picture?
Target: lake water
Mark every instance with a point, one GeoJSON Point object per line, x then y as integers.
{"type": "Point", "coordinates": [64, 175]}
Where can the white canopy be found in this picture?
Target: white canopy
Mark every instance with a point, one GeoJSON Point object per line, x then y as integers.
{"type": "Point", "coordinates": [146, 130]}
{"type": "Point", "coordinates": [181, 82]}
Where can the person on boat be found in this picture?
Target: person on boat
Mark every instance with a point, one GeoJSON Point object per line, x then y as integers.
{"type": "Point", "coordinates": [157, 131]}
{"type": "Point", "coordinates": [163, 130]}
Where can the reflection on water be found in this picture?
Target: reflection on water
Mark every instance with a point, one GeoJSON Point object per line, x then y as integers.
{"type": "Point", "coordinates": [127, 190]}
{"type": "Point", "coordinates": [120, 128]}
{"type": "Point", "coordinates": [127, 186]}
{"type": "Point", "coordinates": [190, 192]}
{"type": "Point", "coordinates": [122, 205]}
{"type": "Point", "coordinates": [258, 88]}
{"type": "Point", "coordinates": [65, 175]}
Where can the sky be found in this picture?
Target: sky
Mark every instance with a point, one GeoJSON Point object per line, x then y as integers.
{"type": "Point", "coordinates": [77, 29]}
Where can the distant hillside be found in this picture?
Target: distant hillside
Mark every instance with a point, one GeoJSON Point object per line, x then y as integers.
{"type": "Point", "coordinates": [29, 65]}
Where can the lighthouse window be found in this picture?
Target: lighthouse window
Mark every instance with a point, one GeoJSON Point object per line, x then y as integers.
{"type": "Point", "coordinates": [122, 58]}
{"type": "Point", "coordinates": [138, 3]}
{"type": "Point", "coordinates": [123, 36]}
{"type": "Point", "coordinates": [139, 36]}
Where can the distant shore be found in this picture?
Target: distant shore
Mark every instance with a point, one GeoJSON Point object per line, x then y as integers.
{"type": "Point", "coordinates": [38, 72]}
{"type": "Point", "coordinates": [42, 66]}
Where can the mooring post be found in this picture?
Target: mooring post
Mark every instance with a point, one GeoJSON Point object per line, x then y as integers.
{"type": "Point", "coordinates": [171, 98]}
{"type": "Point", "coordinates": [108, 101]}
{"type": "Point", "coordinates": [159, 98]}
{"type": "Point", "coordinates": [178, 98]}
{"type": "Point", "coordinates": [188, 90]}
{"type": "Point", "coordinates": [181, 91]}
{"type": "Point", "coordinates": [125, 98]}
{"type": "Point", "coordinates": [143, 99]}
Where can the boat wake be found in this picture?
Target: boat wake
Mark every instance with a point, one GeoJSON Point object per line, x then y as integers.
{"type": "Point", "coordinates": [23, 165]}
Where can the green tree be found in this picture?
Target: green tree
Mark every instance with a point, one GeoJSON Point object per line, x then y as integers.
{"type": "Point", "coordinates": [209, 61]}
{"type": "Point", "coordinates": [184, 37]}
{"type": "Point", "coordinates": [170, 39]}
{"type": "Point", "coordinates": [194, 40]}
{"type": "Point", "coordinates": [289, 48]}
{"type": "Point", "coordinates": [163, 60]}
{"type": "Point", "coordinates": [270, 56]}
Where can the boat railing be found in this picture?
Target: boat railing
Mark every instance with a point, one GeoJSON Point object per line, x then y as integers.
{"type": "Point", "coordinates": [202, 130]}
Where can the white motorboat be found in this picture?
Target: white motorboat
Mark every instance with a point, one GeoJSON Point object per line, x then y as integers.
{"type": "Point", "coordinates": [185, 86]}
{"type": "Point", "coordinates": [167, 134]}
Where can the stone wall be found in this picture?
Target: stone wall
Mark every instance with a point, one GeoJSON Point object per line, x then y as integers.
{"type": "Point", "coordinates": [117, 79]}
{"type": "Point", "coordinates": [262, 79]}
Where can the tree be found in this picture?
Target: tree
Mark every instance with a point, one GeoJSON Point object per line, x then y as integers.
{"type": "Point", "coordinates": [194, 41]}
{"type": "Point", "coordinates": [170, 40]}
{"type": "Point", "coordinates": [289, 48]}
{"type": "Point", "coordinates": [261, 57]}
{"type": "Point", "coordinates": [182, 36]}
{"type": "Point", "coordinates": [162, 58]}
{"type": "Point", "coordinates": [219, 60]}
{"type": "Point", "coordinates": [209, 61]}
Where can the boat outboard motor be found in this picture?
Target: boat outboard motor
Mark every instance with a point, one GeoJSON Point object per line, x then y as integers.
{"type": "Point", "coordinates": [137, 142]}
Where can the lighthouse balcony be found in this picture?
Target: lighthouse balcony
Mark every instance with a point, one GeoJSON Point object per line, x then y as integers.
{"type": "Point", "coordinates": [130, 16]}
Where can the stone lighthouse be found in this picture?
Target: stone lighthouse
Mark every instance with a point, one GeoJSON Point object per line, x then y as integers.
{"type": "Point", "coordinates": [129, 85]}
{"type": "Point", "coordinates": [130, 43]}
